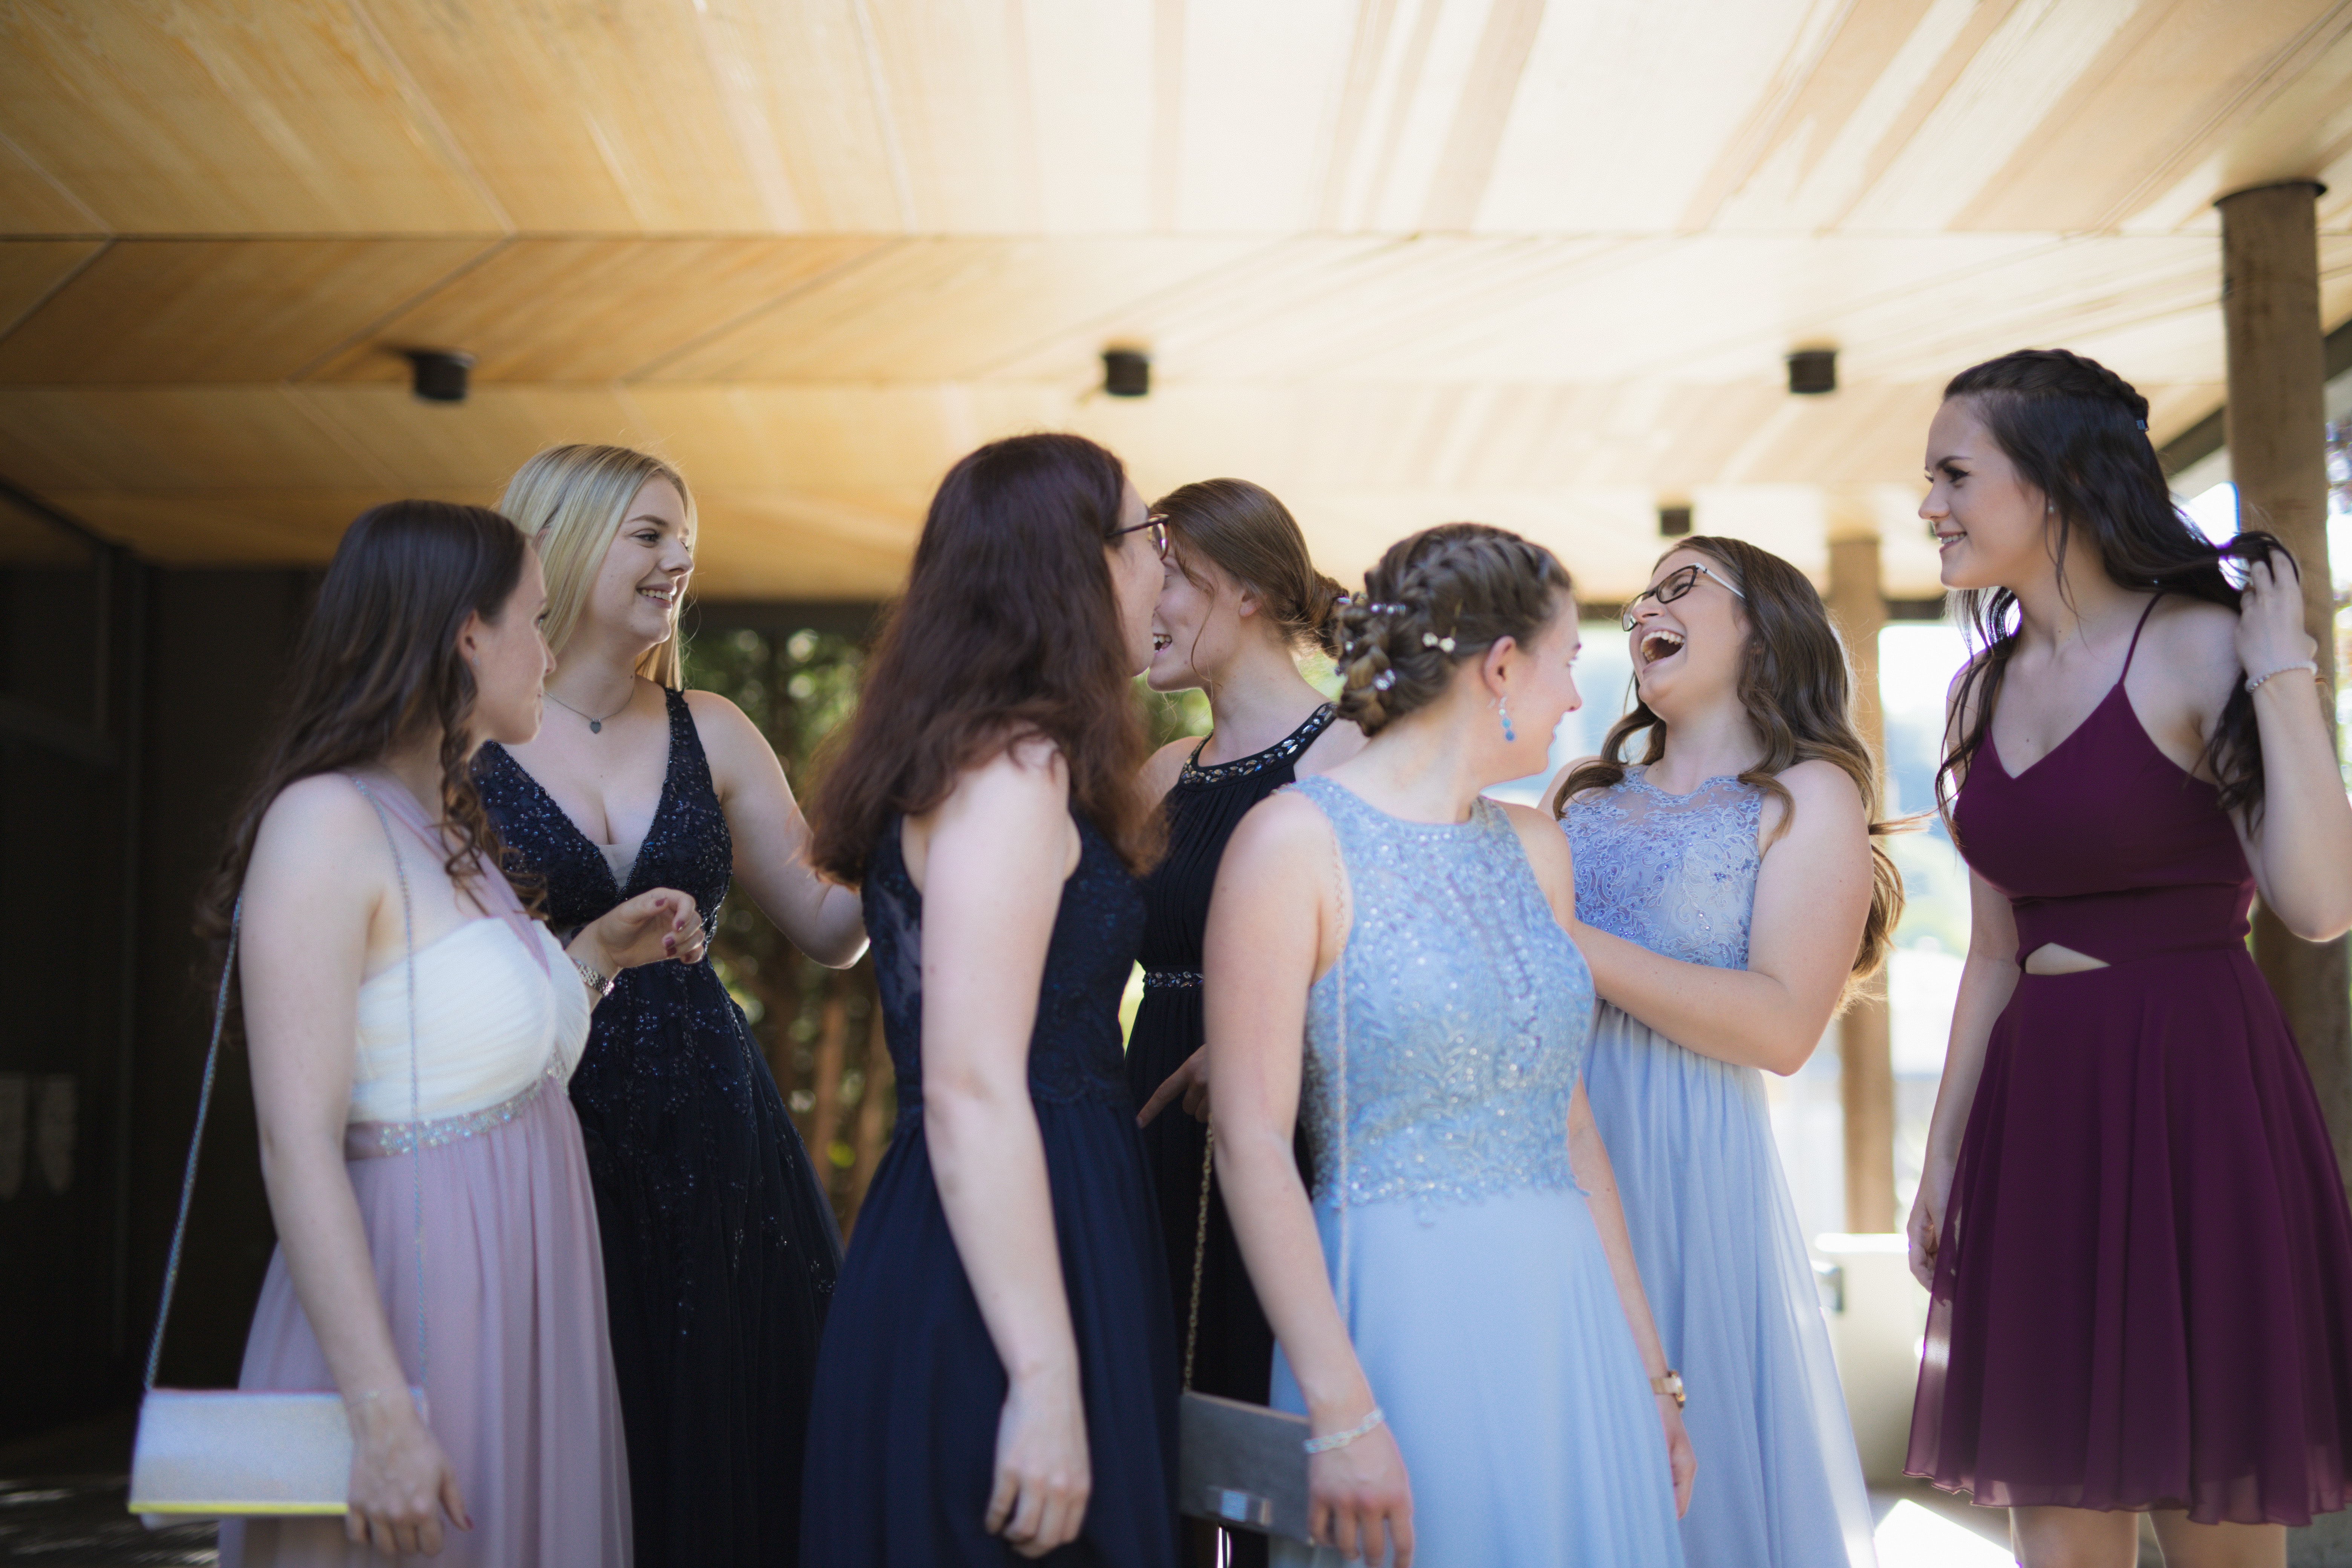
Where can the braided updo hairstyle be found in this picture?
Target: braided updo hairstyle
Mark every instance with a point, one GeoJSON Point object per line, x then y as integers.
{"type": "Point", "coordinates": [2077, 432]}
{"type": "Point", "coordinates": [1443, 595]}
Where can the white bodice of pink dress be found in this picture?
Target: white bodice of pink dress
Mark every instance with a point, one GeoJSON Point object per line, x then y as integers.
{"type": "Point", "coordinates": [492, 1018]}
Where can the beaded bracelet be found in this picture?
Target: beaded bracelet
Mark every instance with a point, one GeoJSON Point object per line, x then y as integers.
{"type": "Point", "coordinates": [1324, 1444]}
{"type": "Point", "coordinates": [2254, 681]}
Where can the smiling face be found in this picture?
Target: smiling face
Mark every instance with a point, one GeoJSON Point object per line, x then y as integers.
{"type": "Point", "coordinates": [1196, 626]}
{"type": "Point", "coordinates": [1136, 577]}
{"type": "Point", "coordinates": [1539, 676]}
{"type": "Point", "coordinates": [643, 580]}
{"type": "Point", "coordinates": [1692, 646]}
{"type": "Point", "coordinates": [1991, 527]}
{"type": "Point", "coordinates": [510, 660]}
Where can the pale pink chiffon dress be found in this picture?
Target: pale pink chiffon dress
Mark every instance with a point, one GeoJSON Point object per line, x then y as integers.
{"type": "Point", "coordinates": [518, 1374]}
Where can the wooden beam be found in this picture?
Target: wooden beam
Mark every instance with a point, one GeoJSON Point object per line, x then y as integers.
{"type": "Point", "coordinates": [2278, 458]}
{"type": "Point", "coordinates": [1865, 1037]}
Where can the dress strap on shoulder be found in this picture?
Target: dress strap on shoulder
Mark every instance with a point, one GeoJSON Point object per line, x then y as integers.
{"type": "Point", "coordinates": [2135, 631]}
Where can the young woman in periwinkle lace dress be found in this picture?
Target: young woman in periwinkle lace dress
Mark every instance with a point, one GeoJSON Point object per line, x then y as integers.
{"type": "Point", "coordinates": [1728, 891]}
{"type": "Point", "coordinates": [1457, 1310]}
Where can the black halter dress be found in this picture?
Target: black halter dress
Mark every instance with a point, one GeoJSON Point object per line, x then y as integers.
{"type": "Point", "coordinates": [719, 1248]}
{"type": "Point", "coordinates": [1234, 1354]}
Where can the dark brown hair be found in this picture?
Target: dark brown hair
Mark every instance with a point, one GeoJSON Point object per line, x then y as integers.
{"type": "Point", "coordinates": [377, 664]}
{"type": "Point", "coordinates": [1249, 535]}
{"type": "Point", "coordinates": [1797, 685]}
{"type": "Point", "coordinates": [1009, 627]}
{"type": "Point", "coordinates": [2077, 432]}
{"type": "Point", "coordinates": [1445, 595]}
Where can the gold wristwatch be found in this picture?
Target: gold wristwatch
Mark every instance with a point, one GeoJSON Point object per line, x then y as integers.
{"type": "Point", "coordinates": [1669, 1381]}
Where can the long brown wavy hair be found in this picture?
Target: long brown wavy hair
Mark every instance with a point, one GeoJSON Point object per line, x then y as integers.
{"type": "Point", "coordinates": [1009, 627]}
{"type": "Point", "coordinates": [378, 664]}
{"type": "Point", "coordinates": [1797, 688]}
{"type": "Point", "coordinates": [2077, 432]}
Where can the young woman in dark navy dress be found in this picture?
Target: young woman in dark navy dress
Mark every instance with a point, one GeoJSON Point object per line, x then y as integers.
{"type": "Point", "coordinates": [720, 1247]}
{"type": "Point", "coordinates": [2130, 1221]}
{"type": "Point", "coordinates": [1240, 601]}
{"type": "Point", "coordinates": [999, 1370]}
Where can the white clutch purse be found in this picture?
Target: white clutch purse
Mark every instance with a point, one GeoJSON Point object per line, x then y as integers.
{"type": "Point", "coordinates": [223, 1453]}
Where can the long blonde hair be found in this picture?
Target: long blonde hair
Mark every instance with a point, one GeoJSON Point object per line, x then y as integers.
{"type": "Point", "coordinates": [571, 500]}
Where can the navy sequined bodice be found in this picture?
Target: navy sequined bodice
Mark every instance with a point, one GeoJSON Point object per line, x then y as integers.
{"type": "Point", "coordinates": [1074, 1050]}
{"type": "Point", "coordinates": [721, 1250]}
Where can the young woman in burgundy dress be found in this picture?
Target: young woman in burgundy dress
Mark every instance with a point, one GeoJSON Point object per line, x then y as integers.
{"type": "Point", "coordinates": [2131, 1222]}
{"type": "Point", "coordinates": [1240, 602]}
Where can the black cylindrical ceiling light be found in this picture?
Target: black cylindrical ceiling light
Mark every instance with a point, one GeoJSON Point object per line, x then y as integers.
{"type": "Point", "coordinates": [1127, 373]}
{"type": "Point", "coordinates": [1674, 521]}
{"type": "Point", "coordinates": [1812, 371]}
{"type": "Point", "coordinates": [439, 375]}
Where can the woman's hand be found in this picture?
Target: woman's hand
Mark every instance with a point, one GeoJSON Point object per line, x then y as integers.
{"type": "Point", "coordinates": [1681, 1462]}
{"type": "Point", "coordinates": [1352, 1492]}
{"type": "Point", "coordinates": [1191, 1081]}
{"type": "Point", "coordinates": [1927, 1221]}
{"type": "Point", "coordinates": [401, 1480]}
{"type": "Point", "coordinates": [1043, 1472]}
{"type": "Point", "coordinates": [2271, 634]}
{"type": "Point", "coordinates": [649, 927]}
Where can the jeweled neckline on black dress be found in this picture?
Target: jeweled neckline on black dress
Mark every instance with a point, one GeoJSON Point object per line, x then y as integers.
{"type": "Point", "coordinates": [1282, 751]}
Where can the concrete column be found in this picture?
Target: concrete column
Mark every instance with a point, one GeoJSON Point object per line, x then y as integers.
{"type": "Point", "coordinates": [1865, 1043]}
{"type": "Point", "coordinates": [2278, 457]}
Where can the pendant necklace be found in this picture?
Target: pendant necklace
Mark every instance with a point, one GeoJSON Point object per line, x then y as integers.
{"type": "Point", "coordinates": [595, 725]}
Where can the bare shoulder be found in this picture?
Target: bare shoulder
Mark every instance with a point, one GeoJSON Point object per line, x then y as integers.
{"type": "Point", "coordinates": [1819, 782]}
{"type": "Point", "coordinates": [2192, 635]}
{"type": "Point", "coordinates": [727, 733]}
{"type": "Point", "coordinates": [318, 830]}
{"type": "Point", "coordinates": [1338, 742]}
{"type": "Point", "coordinates": [1283, 824]}
{"type": "Point", "coordinates": [1166, 765]}
{"type": "Point", "coordinates": [1545, 843]}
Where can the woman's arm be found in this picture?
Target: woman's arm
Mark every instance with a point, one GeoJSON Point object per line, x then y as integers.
{"type": "Point", "coordinates": [2301, 847]}
{"type": "Point", "coordinates": [1988, 980]}
{"type": "Point", "coordinates": [822, 918]}
{"type": "Point", "coordinates": [320, 877]}
{"type": "Point", "coordinates": [1273, 924]}
{"type": "Point", "coordinates": [1590, 1160]}
{"type": "Point", "coordinates": [1812, 897]}
{"type": "Point", "coordinates": [994, 856]}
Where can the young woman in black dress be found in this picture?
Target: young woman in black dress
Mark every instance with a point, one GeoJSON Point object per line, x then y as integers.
{"type": "Point", "coordinates": [1240, 602]}
{"type": "Point", "coordinates": [719, 1248]}
{"type": "Point", "coordinates": [999, 1372]}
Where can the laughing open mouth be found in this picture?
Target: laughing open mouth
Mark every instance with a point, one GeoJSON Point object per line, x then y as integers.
{"type": "Point", "coordinates": [1660, 644]}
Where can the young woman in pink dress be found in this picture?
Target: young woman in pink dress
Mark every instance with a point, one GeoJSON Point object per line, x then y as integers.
{"type": "Point", "coordinates": [2130, 1220]}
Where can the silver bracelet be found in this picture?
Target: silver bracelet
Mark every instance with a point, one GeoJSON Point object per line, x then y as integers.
{"type": "Point", "coordinates": [1324, 1444]}
{"type": "Point", "coordinates": [595, 982]}
{"type": "Point", "coordinates": [2254, 681]}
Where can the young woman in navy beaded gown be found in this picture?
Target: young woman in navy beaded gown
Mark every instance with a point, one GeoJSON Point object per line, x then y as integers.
{"type": "Point", "coordinates": [720, 1247]}
{"type": "Point", "coordinates": [1726, 895]}
{"type": "Point", "coordinates": [999, 1372]}
{"type": "Point", "coordinates": [1241, 600]}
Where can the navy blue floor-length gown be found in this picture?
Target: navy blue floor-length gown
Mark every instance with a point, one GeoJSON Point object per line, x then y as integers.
{"type": "Point", "coordinates": [909, 1387]}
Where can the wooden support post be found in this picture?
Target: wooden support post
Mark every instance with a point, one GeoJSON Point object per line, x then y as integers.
{"type": "Point", "coordinates": [2278, 457]}
{"type": "Point", "coordinates": [1865, 1040]}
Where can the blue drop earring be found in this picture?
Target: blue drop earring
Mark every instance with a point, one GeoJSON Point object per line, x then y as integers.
{"type": "Point", "coordinates": [1509, 734]}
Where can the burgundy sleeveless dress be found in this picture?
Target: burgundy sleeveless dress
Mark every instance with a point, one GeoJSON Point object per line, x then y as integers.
{"type": "Point", "coordinates": [2143, 1291]}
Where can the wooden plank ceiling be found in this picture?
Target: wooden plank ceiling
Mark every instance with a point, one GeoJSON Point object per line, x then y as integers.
{"type": "Point", "coordinates": [1535, 261]}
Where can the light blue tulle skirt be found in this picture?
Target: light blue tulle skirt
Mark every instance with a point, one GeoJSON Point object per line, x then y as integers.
{"type": "Point", "coordinates": [1494, 1338]}
{"type": "Point", "coordinates": [1731, 1287]}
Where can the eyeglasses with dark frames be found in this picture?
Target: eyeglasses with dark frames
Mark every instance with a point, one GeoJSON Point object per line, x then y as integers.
{"type": "Point", "coordinates": [1159, 526]}
{"type": "Point", "coordinates": [1677, 583]}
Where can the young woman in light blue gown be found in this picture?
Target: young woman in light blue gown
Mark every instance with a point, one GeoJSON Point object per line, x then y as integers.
{"type": "Point", "coordinates": [1457, 1312]}
{"type": "Point", "coordinates": [1728, 891]}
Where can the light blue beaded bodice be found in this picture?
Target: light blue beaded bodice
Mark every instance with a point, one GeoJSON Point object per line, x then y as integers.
{"type": "Point", "coordinates": [1675, 873]}
{"type": "Point", "coordinates": [1468, 1012]}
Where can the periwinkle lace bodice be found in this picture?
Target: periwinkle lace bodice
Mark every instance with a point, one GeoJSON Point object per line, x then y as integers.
{"type": "Point", "coordinates": [1468, 1010]}
{"type": "Point", "coordinates": [1675, 873]}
